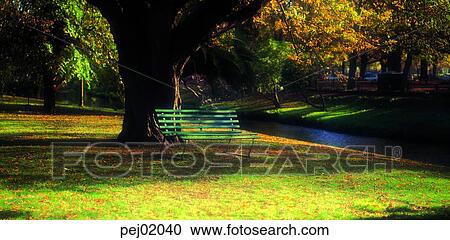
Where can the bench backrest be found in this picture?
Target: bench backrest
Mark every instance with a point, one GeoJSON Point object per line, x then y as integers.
{"type": "Point", "coordinates": [175, 122]}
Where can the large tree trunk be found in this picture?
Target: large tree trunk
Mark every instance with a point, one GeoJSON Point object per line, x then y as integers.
{"type": "Point", "coordinates": [423, 69]}
{"type": "Point", "coordinates": [81, 93]}
{"type": "Point", "coordinates": [394, 61]}
{"type": "Point", "coordinates": [146, 72]}
{"type": "Point", "coordinates": [406, 72]}
{"type": "Point", "coordinates": [142, 98]}
{"type": "Point", "coordinates": [435, 70]}
{"type": "Point", "coordinates": [363, 65]}
{"type": "Point", "coordinates": [383, 64]}
{"type": "Point", "coordinates": [276, 99]}
{"type": "Point", "coordinates": [49, 95]}
{"type": "Point", "coordinates": [51, 82]}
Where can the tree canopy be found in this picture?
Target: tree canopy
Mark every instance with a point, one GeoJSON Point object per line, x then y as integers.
{"type": "Point", "coordinates": [54, 43]}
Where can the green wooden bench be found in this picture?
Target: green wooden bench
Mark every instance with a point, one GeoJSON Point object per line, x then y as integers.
{"type": "Point", "coordinates": [202, 125]}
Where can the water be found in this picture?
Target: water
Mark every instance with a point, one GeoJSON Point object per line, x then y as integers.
{"type": "Point", "coordinates": [437, 154]}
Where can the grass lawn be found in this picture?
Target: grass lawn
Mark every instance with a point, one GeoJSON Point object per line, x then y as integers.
{"type": "Point", "coordinates": [410, 191]}
{"type": "Point", "coordinates": [419, 118]}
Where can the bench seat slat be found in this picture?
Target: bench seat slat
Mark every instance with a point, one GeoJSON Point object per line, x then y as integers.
{"type": "Point", "coordinates": [194, 111]}
{"type": "Point", "coordinates": [204, 133]}
{"type": "Point", "coordinates": [200, 126]}
{"type": "Point", "coordinates": [198, 121]}
{"type": "Point", "coordinates": [219, 137]}
{"type": "Point", "coordinates": [183, 115]}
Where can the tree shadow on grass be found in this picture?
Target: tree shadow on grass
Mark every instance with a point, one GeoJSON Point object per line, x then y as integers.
{"type": "Point", "coordinates": [10, 214]}
{"type": "Point", "coordinates": [60, 109]}
{"type": "Point", "coordinates": [71, 138]}
{"type": "Point", "coordinates": [407, 213]}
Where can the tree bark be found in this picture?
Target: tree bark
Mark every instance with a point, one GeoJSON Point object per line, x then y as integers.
{"type": "Point", "coordinates": [406, 72]}
{"type": "Point", "coordinates": [394, 61]}
{"type": "Point", "coordinates": [142, 98]}
{"type": "Point", "coordinates": [49, 95]}
{"type": "Point", "coordinates": [424, 69]}
{"type": "Point", "coordinates": [81, 92]}
{"type": "Point", "coordinates": [143, 44]}
{"type": "Point", "coordinates": [352, 72]}
{"type": "Point", "coordinates": [51, 82]}
{"type": "Point", "coordinates": [435, 69]}
{"type": "Point", "coordinates": [276, 98]}
{"type": "Point", "coordinates": [364, 61]}
{"type": "Point", "coordinates": [383, 65]}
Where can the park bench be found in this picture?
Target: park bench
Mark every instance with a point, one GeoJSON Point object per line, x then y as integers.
{"type": "Point", "coordinates": [202, 125]}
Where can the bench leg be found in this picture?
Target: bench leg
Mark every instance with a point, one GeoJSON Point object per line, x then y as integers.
{"type": "Point", "coordinates": [162, 146]}
{"type": "Point", "coordinates": [184, 150]}
{"type": "Point", "coordinates": [251, 148]}
{"type": "Point", "coordinates": [228, 146]}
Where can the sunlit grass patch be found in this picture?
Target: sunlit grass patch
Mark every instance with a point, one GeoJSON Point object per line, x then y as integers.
{"type": "Point", "coordinates": [59, 127]}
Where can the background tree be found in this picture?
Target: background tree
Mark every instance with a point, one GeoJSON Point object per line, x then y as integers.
{"type": "Point", "coordinates": [52, 43]}
{"type": "Point", "coordinates": [23, 53]}
{"type": "Point", "coordinates": [320, 31]}
{"type": "Point", "coordinates": [271, 59]}
{"type": "Point", "coordinates": [413, 28]}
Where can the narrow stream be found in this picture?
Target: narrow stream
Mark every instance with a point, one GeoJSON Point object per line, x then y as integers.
{"type": "Point", "coordinates": [419, 152]}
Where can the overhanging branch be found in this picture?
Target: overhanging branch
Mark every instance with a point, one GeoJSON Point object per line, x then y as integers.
{"type": "Point", "coordinates": [200, 23]}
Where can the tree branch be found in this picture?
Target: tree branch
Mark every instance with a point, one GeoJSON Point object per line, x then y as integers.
{"type": "Point", "coordinates": [179, 4]}
{"type": "Point", "coordinates": [110, 9]}
{"type": "Point", "coordinates": [200, 23]}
